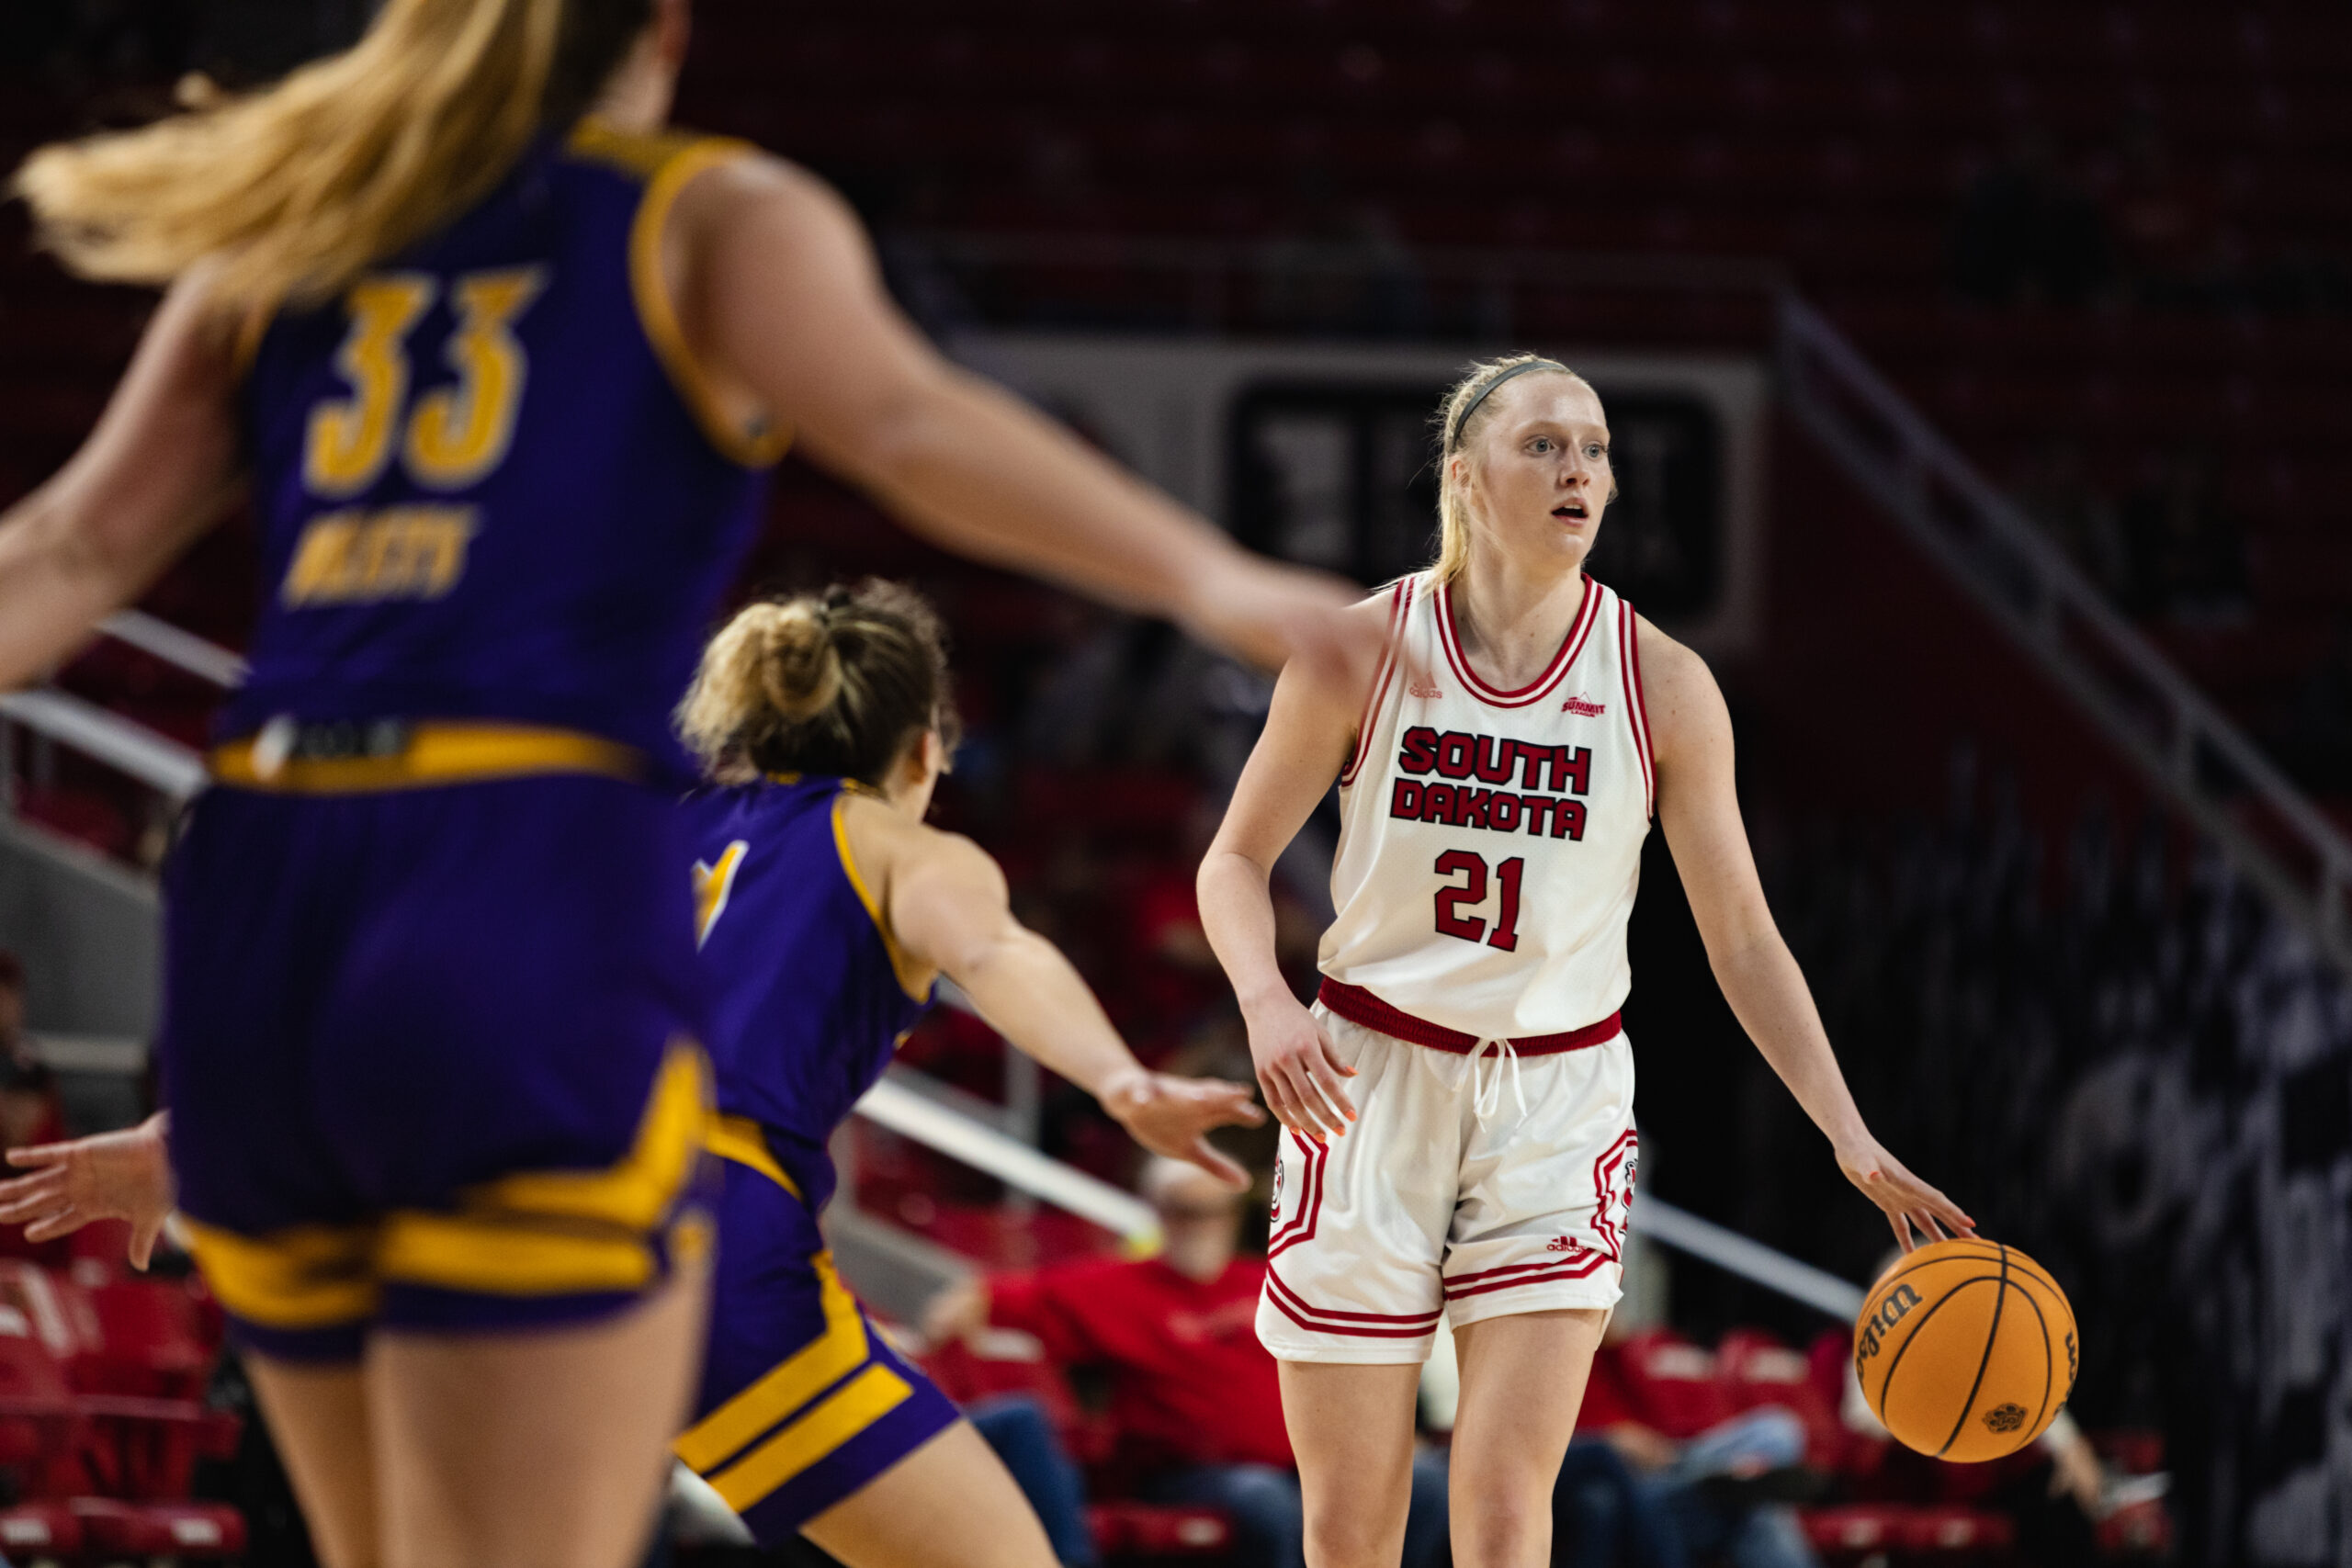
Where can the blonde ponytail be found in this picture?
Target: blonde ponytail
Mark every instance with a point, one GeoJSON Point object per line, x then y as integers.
{"type": "Point", "coordinates": [836, 683]}
{"type": "Point", "coordinates": [1461, 412]}
{"type": "Point", "coordinates": [300, 188]}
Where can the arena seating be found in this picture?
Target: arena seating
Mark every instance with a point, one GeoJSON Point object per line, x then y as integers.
{"type": "Point", "coordinates": [102, 1418]}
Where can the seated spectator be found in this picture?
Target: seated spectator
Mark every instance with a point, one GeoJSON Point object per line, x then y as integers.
{"type": "Point", "coordinates": [1195, 1398]}
{"type": "Point", "coordinates": [1709, 1471]}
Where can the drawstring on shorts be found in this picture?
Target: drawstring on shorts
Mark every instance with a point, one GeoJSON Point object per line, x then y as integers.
{"type": "Point", "coordinates": [1505, 1053]}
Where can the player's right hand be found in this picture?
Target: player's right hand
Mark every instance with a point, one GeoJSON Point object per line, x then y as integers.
{"type": "Point", "coordinates": [110, 1176]}
{"type": "Point", "coordinates": [1299, 1071]}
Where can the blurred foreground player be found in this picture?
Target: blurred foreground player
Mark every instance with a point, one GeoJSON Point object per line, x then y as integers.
{"type": "Point", "coordinates": [1497, 782]}
{"type": "Point", "coordinates": [826, 910]}
{"type": "Point", "coordinates": [502, 375]}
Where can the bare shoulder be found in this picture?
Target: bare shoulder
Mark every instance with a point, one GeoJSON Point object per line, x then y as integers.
{"type": "Point", "coordinates": [891, 848]}
{"type": "Point", "coordinates": [1372, 613]}
{"type": "Point", "coordinates": [1679, 692]}
{"type": "Point", "coordinates": [775, 196]}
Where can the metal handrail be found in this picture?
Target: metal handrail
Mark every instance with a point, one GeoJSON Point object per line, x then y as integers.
{"type": "Point", "coordinates": [155, 761]}
{"type": "Point", "coordinates": [182, 650]}
{"type": "Point", "coordinates": [2053, 613]}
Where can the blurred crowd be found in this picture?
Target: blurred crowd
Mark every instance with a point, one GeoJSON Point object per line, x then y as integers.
{"type": "Point", "coordinates": [2128, 225]}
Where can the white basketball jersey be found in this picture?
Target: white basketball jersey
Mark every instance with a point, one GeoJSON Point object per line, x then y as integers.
{"type": "Point", "coordinates": [1490, 841]}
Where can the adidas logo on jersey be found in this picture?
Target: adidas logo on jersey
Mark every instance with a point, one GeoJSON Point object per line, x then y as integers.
{"type": "Point", "coordinates": [1584, 707]}
{"type": "Point", "coordinates": [1563, 1244]}
{"type": "Point", "coordinates": [1422, 686]}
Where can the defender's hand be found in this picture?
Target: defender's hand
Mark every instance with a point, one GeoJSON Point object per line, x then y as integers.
{"type": "Point", "coordinates": [112, 1176]}
{"type": "Point", "coordinates": [1907, 1200]}
{"type": "Point", "coordinates": [1299, 1071]}
{"type": "Point", "coordinates": [1173, 1116]}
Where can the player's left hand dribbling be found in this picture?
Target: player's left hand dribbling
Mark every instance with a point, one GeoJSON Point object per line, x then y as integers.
{"type": "Point", "coordinates": [1909, 1204]}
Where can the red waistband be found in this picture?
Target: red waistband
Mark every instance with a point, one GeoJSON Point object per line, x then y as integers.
{"type": "Point", "coordinates": [1359, 1006]}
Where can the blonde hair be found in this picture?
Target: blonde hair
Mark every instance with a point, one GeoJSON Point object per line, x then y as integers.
{"type": "Point", "coordinates": [298, 188]}
{"type": "Point", "coordinates": [1463, 411]}
{"type": "Point", "coordinates": [835, 683]}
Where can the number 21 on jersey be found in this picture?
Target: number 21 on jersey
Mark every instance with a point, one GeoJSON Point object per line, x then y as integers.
{"type": "Point", "coordinates": [1471, 889]}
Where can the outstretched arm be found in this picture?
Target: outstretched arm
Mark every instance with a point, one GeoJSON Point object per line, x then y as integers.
{"type": "Point", "coordinates": [108, 1175]}
{"type": "Point", "coordinates": [778, 287]}
{"type": "Point", "coordinates": [949, 907]}
{"type": "Point", "coordinates": [1699, 809]}
{"type": "Point", "coordinates": [157, 471]}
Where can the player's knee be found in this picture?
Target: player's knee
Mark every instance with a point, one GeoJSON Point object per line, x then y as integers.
{"type": "Point", "coordinates": [1353, 1533]}
{"type": "Point", "coordinates": [1507, 1530]}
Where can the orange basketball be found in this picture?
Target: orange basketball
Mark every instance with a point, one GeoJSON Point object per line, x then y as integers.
{"type": "Point", "coordinates": [1966, 1350]}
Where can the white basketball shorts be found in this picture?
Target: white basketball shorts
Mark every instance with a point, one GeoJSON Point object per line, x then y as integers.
{"type": "Point", "coordinates": [1428, 1207]}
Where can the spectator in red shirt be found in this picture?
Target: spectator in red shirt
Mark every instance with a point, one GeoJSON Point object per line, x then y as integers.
{"type": "Point", "coordinates": [1193, 1394]}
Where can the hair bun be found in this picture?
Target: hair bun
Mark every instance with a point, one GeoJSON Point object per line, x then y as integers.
{"type": "Point", "coordinates": [800, 667]}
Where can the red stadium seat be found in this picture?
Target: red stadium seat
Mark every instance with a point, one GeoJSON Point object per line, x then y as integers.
{"type": "Point", "coordinates": [33, 1531]}
{"type": "Point", "coordinates": [200, 1531]}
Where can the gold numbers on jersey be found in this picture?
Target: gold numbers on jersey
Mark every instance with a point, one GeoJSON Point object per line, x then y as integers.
{"type": "Point", "coordinates": [456, 435]}
{"type": "Point", "coordinates": [460, 433]}
{"type": "Point", "coordinates": [349, 439]}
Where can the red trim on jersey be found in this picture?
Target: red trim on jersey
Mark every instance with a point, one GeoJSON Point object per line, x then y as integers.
{"type": "Point", "coordinates": [1576, 1272]}
{"type": "Point", "coordinates": [1580, 630]}
{"type": "Point", "coordinates": [1301, 1226]}
{"type": "Point", "coordinates": [1289, 1303]}
{"type": "Point", "coordinates": [1359, 1006]}
{"type": "Point", "coordinates": [1400, 599]}
{"type": "Point", "coordinates": [1635, 708]}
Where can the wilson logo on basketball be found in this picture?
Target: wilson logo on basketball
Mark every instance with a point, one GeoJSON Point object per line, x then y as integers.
{"type": "Point", "coordinates": [1584, 707]}
{"type": "Point", "coordinates": [2005, 1417]}
{"type": "Point", "coordinates": [1882, 1323]}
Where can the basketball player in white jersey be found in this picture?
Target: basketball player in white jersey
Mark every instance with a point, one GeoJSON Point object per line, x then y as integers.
{"type": "Point", "coordinates": [1460, 1099]}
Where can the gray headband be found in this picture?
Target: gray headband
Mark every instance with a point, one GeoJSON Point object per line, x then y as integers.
{"type": "Point", "coordinates": [1454, 436]}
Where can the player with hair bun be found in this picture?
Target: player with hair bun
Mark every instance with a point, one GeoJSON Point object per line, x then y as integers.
{"type": "Point", "coordinates": [1459, 1098]}
{"type": "Point", "coordinates": [826, 911]}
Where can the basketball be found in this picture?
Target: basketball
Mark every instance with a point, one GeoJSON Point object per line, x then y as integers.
{"type": "Point", "coordinates": [1966, 1350]}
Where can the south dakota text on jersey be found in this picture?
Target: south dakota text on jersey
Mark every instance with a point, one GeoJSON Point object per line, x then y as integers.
{"type": "Point", "coordinates": [1454, 754]}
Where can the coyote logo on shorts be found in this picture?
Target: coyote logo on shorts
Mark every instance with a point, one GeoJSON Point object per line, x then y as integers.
{"type": "Point", "coordinates": [1275, 1207]}
{"type": "Point", "coordinates": [1613, 1184]}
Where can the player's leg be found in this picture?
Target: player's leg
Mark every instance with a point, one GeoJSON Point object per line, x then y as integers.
{"type": "Point", "coordinates": [545, 1447]}
{"type": "Point", "coordinates": [318, 1418]}
{"type": "Point", "coordinates": [1522, 1381]}
{"type": "Point", "coordinates": [950, 1503]}
{"type": "Point", "coordinates": [1351, 1427]}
